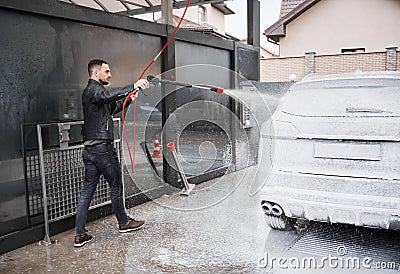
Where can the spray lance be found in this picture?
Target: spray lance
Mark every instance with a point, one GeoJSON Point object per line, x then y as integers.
{"type": "Point", "coordinates": [156, 81]}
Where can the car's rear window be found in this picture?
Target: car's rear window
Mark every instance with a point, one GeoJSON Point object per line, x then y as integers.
{"type": "Point", "coordinates": [347, 98]}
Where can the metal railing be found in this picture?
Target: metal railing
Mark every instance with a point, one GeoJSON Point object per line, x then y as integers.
{"type": "Point", "coordinates": [62, 175]}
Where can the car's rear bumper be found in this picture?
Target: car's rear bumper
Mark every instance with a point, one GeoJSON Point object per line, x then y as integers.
{"type": "Point", "coordinates": [335, 199]}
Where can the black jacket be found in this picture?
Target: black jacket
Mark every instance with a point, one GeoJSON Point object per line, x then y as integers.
{"type": "Point", "coordinates": [99, 104]}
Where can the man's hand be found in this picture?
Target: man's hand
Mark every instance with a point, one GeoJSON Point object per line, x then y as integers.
{"type": "Point", "coordinates": [134, 96]}
{"type": "Point", "coordinates": [141, 83]}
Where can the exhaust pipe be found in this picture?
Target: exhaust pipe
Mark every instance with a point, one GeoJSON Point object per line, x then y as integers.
{"type": "Point", "coordinates": [277, 210]}
{"type": "Point", "coordinates": [266, 207]}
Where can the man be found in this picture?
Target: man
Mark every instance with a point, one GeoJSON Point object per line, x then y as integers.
{"type": "Point", "coordinates": [99, 155]}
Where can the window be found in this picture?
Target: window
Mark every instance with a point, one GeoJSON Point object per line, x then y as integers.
{"type": "Point", "coordinates": [343, 98]}
{"type": "Point", "coordinates": [355, 50]}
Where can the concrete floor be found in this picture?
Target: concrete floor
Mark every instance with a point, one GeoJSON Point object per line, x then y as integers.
{"type": "Point", "coordinates": [218, 229]}
{"type": "Point", "coordinates": [227, 236]}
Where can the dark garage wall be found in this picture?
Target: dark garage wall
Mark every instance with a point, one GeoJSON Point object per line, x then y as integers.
{"type": "Point", "coordinates": [44, 70]}
{"type": "Point", "coordinates": [201, 60]}
{"type": "Point", "coordinates": [45, 46]}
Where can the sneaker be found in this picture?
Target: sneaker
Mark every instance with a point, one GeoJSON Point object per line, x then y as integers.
{"type": "Point", "coordinates": [82, 240]}
{"type": "Point", "coordinates": [131, 226]}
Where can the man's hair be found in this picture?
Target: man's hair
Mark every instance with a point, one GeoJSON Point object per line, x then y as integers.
{"type": "Point", "coordinates": [96, 63]}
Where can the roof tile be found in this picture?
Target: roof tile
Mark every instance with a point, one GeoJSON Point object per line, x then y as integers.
{"type": "Point", "coordinates": [288, 5]}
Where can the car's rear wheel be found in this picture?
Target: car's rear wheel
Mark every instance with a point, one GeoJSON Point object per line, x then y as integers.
{"type": "Point", "coordinates": [280, 222]}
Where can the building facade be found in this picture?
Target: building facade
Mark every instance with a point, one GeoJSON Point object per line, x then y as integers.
{"type": "Point", "coordinates": [318, 35]}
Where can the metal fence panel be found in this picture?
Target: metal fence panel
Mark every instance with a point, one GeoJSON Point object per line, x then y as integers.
{"type": "Point", "coordinates": [63, 176]}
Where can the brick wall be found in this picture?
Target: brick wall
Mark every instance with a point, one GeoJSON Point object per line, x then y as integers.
{"type": "Point", "coordinates": [331, 64]}
{"type": "Point", "coordinates": [278, 69]}
{"type": "Point", "coordinates": [398, 61]}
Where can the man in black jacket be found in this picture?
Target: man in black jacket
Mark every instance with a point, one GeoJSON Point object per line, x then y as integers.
{"type": "Point", "coordinates": [99, 155]}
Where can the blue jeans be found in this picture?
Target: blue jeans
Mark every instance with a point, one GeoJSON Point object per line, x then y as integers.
{"type": "Point", "coordinates": [100, 159]}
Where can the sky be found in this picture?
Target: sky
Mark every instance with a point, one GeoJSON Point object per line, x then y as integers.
{"type": "Point", "coordinates": [236, 24]}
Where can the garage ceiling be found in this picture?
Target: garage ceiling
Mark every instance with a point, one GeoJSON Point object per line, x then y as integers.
{"type": "Point", "coordinates": [135, 7]}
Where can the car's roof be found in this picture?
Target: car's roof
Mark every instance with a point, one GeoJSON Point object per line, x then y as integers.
{"type": "Point", "coordinates": [351, 76]}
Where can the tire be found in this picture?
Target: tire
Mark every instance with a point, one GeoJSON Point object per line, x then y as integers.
{"type": "Point", "coordinates": [280, 223]}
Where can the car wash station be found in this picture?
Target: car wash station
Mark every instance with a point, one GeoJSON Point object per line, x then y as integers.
{"type": "Point", "coordinates": [212, 157]}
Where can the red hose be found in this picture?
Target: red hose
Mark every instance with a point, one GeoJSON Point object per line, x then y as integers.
{"type": "Point", "coordinates": [132, 158]}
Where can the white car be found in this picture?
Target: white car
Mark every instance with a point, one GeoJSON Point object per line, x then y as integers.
{"type": "Point", "coordinates": [337, 152]}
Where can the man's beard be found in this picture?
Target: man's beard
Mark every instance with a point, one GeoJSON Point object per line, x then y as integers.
{"type": "Point", "coordinates": [104, 82]}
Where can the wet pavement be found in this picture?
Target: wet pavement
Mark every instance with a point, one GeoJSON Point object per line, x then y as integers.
{"type": "Point", "coordinates": [218, 229]}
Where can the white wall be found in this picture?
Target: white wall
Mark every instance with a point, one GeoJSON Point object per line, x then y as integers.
{"type": "Point", "coordinates": [331, 25]}
{"type": "Point", "coordinates": [213, 16]}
